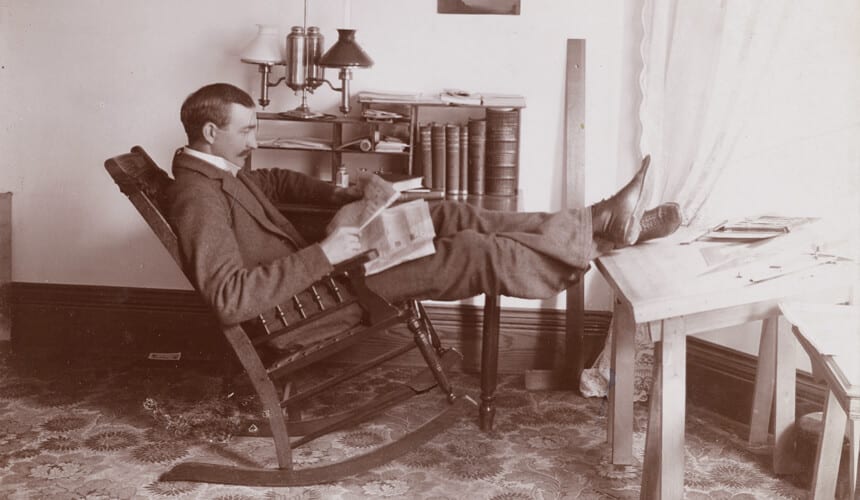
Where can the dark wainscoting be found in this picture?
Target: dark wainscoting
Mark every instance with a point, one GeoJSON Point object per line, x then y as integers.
{"type": "Point", "coordinates": [723, 380]}
{"type": "Point", "coordinates": [54, 320]}
{"type": "Point", "coordinates": [77, 320]}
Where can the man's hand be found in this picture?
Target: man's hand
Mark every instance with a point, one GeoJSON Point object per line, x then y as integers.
{"type": "Point", "coordinates": [341, 244]}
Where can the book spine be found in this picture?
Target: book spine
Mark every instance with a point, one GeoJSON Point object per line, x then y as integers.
{"type": "Point", "coordinates": [426, 161]}
{"type": "Point", "coordinates": [477, 144]}
{"type": "Point", "coordinates": [452, 161]}
{"type": "Point", "coordinates": [502, 155]}
{"type": "Point", "coordinates": [464, 162]}
{"type": "Point", "coordinates": [437, 133]}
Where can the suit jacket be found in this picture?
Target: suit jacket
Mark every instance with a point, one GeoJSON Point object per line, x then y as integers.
{"type": "Point", "coordinates": [241, 254]}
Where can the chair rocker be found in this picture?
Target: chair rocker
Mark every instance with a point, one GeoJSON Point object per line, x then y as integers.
{"type": "Point", "coordinates": [144, 183]}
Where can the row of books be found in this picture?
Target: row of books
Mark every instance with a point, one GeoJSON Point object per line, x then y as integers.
{"type": "Point", "coordinates": [478, 157]}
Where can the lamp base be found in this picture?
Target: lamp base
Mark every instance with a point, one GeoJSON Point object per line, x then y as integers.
{"type": "Point", "coordinates": [301, 113]}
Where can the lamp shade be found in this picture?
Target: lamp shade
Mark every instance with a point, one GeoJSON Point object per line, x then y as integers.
{"type": "Point", "coordinates": [265, 48]}
{"type": "Point", "coordinates": [345, 53]}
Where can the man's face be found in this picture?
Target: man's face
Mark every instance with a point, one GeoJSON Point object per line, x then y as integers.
{"type": "Point", "coordinates": [235, 141]}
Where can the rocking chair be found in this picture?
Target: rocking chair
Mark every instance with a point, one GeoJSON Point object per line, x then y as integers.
{"type": "Point", "coordinates": [139, 178]}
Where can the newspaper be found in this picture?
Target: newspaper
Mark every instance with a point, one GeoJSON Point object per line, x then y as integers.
{"type": "Point", "coordinates": [399, 233]}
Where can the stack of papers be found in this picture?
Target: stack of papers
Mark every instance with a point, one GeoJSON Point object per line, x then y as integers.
{"type": "Point", "coordinates": [456, 97]}
{"type": "Point", "coordinates": [394, 97]}
{"type": "Point", "coordinates": [296, 143]}
{"type": "Point", "coordinates": [756, 228]}
{"type": "Point", "coordinates": [391, 145]}
{"type": "Point", "coordinates": [378, 114]}
{"type": "Point", "coordinates": [463, 97]}
{"type": "Point", "coordinates": [799, 248]}
{"type": "Point", "coordinates": [489, 99]}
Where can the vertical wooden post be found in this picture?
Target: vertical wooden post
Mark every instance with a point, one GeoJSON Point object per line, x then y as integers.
{"type": "Point", "coordinates": [5, 265]}
{"type": "Point", "coordinates": [765, 380]}
{"type": "Point", "coordinates": [619, 428]}
{"type": "Point", "coordinates": [336, 142]}
{"type": "Point", "coordinates": [489, 361]}
{"type": "Point", "coordinates": [574, 175]}
{"type": "Point", "coordinates": [784, 397]}
{"type": "Point", "coordinates": [670, 357]}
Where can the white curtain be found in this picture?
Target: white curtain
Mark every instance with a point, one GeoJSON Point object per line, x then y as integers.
{"type": "Point", "coordinates": [704, 66]}
{"type": "Point", "coordinates": [704, 62]}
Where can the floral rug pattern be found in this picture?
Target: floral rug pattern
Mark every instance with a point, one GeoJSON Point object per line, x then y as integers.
{"type": "Point", "coordinates": [107, 431]}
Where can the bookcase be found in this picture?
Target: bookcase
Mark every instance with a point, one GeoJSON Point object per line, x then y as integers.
{"type": "Point", "coordinates": [339, 136]}
{"type": "Point", "coordinates": [350, 135]}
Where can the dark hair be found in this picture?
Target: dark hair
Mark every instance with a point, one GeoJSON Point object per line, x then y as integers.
{"type": "Point", "coordinates": [211, 104]}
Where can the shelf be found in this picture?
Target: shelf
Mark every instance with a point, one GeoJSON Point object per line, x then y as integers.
{"type": "Point", "coordinates": [356, 151]}
{"type": "Point", "coordinates": [268, 115]}
{"type": "Point", "coordinates": [434, 102]}
{"type": "Point", "coordinates": [340, 128]}
{"type": "Point", "coordinates": [271, 116]}
{"type": "Point", "coordinates": [298, 148]}
{"type": "Point", "coordinates": [332, 150]}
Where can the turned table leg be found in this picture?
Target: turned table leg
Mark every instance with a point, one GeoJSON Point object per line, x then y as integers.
{"type": "Point", "coordinates": [489, 361]}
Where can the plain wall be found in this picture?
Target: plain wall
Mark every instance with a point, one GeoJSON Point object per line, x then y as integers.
{"type": "Point", "coordinates": [85, 80]}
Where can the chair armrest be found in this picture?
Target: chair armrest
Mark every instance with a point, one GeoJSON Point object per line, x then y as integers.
{"type": "Point", "coordinates": [376, 308]}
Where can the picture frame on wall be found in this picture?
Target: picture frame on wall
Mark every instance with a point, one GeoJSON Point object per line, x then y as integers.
{"type": "Point", "coordinates": [499, 7]}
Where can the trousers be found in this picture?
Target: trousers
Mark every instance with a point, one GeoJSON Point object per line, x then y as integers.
{"type": "Point", "coordinates": [531, 255]}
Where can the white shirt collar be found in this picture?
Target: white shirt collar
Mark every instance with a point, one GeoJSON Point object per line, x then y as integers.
{"type": "Point", "coordinates": [216, 161]}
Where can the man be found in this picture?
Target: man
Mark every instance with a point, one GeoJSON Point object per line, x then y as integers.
{"type": "Point", "coordinates": [246, 258]}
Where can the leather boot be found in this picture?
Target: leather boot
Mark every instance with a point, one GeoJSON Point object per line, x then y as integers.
{"type": "Point", "coordinates": [617, 219]}
{"type": "Point", "coordinates": [660, 222]}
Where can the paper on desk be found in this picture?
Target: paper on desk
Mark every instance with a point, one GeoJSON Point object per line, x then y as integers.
{"type": "Point", "coordinates": [814, 238]}
{"type": "Point", "coordinates": [782, 264]}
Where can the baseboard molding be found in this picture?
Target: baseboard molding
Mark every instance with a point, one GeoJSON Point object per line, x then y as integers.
{"type": "Point", "coordinates": [73, 319]}
{"type": "Point", "coordinates": [723, 380]}
{"type": "Point", "coordinates": [77, 320]}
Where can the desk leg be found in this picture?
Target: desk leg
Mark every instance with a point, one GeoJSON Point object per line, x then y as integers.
{"type": "Point", "coordinates": [663, 467]}
{"type": "Point", "coordinates": [853, 454]}
{"type": "Point", "coordinates": [784, 392]}
{"type": "Point", "coordinates": [829, 451]}
{"type": "Point", "coordinates": [489, 361]}
{"type": "Point", "coordinates": [650, 487]}
{"type": "Point", "coordinates": [764, 384]}
{"type": "Point", "coordinates": [620, 423]}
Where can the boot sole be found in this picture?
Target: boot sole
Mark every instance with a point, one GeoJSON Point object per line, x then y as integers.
{"type": "Point", "coordinates": [633, 227]}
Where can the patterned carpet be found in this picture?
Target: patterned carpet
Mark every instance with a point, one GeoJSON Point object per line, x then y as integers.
{"type": "Point", "coordinates": [106, 430]}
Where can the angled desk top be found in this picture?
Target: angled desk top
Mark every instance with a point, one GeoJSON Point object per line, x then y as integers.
{"type": "Point", "coordinates": [830, 334]}
{"type": "Point", "coordinates": [671, 289]}
{"type": "Point", "coordinates": [665, 278]}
